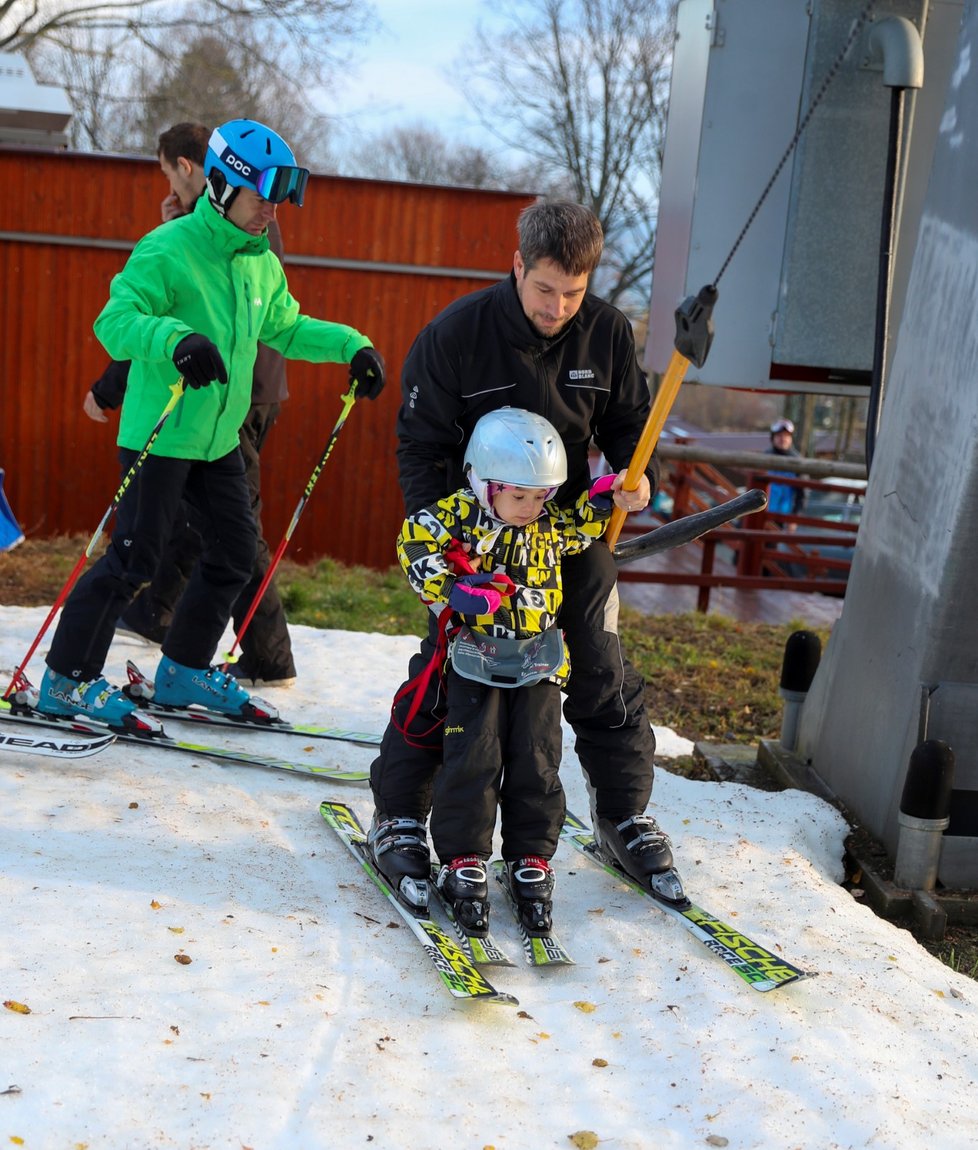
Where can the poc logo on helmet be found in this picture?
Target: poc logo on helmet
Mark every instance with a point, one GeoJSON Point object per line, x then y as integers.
{"type": "Point", "coordinates": [237, 164]}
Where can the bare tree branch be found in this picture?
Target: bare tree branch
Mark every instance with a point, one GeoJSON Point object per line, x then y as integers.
{"type": "Point", "coordinates": [116, 58]}
{"type": "Point", "coordinates": [418, 153]}
{"type": "Point", "coordinates": [580, 87]}
{"type": "Point", "coordinates": [24, 22]}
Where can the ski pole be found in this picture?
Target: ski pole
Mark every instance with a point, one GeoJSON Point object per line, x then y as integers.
{"type": "Point", "coordinates": [348, 400]}
{"type": "Point", "coordinates": [176, 390]}
{"type": "Point", "coordinates": [694, 334]}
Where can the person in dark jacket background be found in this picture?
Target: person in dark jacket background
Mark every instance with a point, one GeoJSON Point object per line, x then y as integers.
{"type": "Point", "coordinates": [537, 340]}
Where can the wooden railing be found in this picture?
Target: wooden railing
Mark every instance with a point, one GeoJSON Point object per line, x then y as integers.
{"type": "Point", "coordinates": [761, 552]}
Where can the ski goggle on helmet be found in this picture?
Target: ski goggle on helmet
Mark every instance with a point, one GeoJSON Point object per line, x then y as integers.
{"type": "Point", "coordinates": [514, 448]}
{"type": "Point", "coordinates": [246, 154]}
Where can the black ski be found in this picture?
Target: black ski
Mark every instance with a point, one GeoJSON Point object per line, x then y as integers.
{"type": "Point", "coordinates": [28, 717]}
{"type": "Point", "coordinates": [760, 968]}
{"type": "Point", "coordinates": [457, 971]}
{"type": "Point", "coordinates": [55, 748]}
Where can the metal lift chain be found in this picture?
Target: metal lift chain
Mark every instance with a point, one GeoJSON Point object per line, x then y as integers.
{"type": "Point", "coordinates": [819, 95]}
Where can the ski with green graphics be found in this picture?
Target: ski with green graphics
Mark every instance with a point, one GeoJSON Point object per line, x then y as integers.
{"type": "Point", "coordinates": [482, 949]}
{"type": "Point", "coordinates": [760, 968]}
{"type": "Point", "coordinates": [538, 949]}
{"type": "Point", "coordinates": [23, 715]}
{"type": "Point", "coordinates": [140, 690]}
{"type": "Point", "coordinates": [457, 971]}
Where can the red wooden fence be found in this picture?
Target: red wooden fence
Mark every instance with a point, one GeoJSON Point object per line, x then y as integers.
{"type": "Point", "coordinates": [381, 256]}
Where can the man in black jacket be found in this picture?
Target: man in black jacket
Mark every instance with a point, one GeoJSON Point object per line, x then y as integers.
{"type": "Point", "coordinates": [536, 340]}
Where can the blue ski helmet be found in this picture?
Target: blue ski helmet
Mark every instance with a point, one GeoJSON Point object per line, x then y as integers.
{"type": "Point", "coordinates": [246, 154]}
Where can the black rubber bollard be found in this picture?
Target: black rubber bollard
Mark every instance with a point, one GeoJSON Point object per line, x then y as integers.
{"type": "Point", "coordinates": [802, 653]}
{"type": "Point", "coordinates": [925, 811]}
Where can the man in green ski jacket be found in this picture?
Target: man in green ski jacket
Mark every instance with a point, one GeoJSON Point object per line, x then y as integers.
{"type": "Point", "coordinates": [193, 300]}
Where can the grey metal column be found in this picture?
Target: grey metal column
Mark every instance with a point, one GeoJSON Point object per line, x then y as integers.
{"type": "Point", "coordinates": [902, 662]}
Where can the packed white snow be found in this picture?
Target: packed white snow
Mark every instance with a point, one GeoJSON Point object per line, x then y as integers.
{"type": "Point", "coordinates": [189, 958]}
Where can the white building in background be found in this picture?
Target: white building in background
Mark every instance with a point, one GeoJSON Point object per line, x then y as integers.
{"type": "Point", "coordinates": [31, 114]}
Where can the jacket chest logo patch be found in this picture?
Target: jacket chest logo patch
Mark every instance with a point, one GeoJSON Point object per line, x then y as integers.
{"type": "Point", "coordinates": [581, 373]}
{"type": "Point", "coordinates": [258, 302]}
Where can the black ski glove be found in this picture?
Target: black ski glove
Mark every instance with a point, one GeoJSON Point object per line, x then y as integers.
{"type": "Point", "coordinates": [367, 372]}
{"type": "Point", "coordinates": [109, 389]}
{"type": "Point", "coordinates": [199, 361]}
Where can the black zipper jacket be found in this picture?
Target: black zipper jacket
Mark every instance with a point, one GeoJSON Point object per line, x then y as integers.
{"type": "Point", "coordinates": [482, 353]}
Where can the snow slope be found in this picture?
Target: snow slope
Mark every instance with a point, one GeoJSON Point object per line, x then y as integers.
{"type": "Point", "coordinates": [307, 1017]}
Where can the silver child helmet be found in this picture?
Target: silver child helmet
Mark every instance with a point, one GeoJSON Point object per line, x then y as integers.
{"type": "Point", "coordinates": [515, 447]}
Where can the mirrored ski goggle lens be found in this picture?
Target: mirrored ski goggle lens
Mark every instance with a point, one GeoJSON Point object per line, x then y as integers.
{"type": "Point", "coordinates": [279, 184]}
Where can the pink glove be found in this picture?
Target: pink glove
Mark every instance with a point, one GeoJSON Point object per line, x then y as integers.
{"type": "Point", "coordinates": [600, 494]}
{"type": "Point", "coordinates": [471, 595]}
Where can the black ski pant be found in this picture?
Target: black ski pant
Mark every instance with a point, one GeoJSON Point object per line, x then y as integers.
{"type": "Point", "coordinates": [604, 704]}
{"type": "Point", "coordinates": [502, 747]}
{"type": "Point", "coordinates": [266, 647]}
{"type": "Point", "coordinates": [218, 494]}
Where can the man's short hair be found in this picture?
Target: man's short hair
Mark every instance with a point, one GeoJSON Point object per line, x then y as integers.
{"type": "Point", "coordinates": [560, 230]}
{"type": "Point", "coordinates": [188, 139]}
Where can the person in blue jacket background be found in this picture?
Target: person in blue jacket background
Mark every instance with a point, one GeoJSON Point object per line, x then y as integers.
{"type": "Point", "coordinates": [784, 498]}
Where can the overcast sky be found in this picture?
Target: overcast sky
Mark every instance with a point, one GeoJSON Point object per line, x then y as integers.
{"type": "Point", "coordinates": [401, 75]}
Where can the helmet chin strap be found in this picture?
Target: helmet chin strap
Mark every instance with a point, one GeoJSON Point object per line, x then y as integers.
{"type": "Point", "coordinates": [480, 487]}
{"type": "Point", "coordinates": [220, 193]}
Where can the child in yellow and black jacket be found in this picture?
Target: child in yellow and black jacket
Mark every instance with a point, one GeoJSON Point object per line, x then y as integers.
{"type": "Point", "coordinates": [490, 555]}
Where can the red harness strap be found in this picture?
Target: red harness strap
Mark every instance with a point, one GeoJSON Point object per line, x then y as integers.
{"type": "Point", "coordinates": [418, 686]}
{"type": "Point", "coordinates": [458, 561]}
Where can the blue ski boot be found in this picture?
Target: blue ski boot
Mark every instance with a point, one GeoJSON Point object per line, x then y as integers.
{"type": "Point", "coordinates": [181, 687]}
{"type": "Point", "coordinates": [64, 697]}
